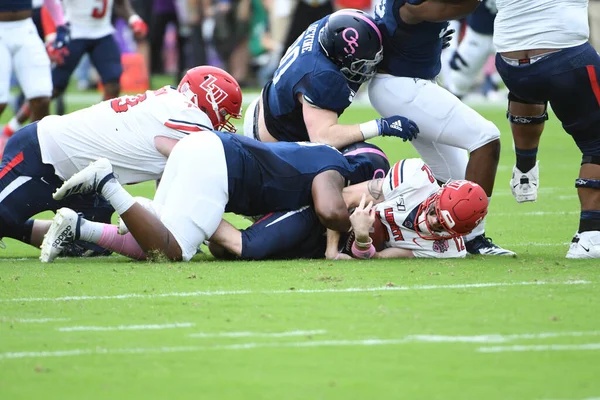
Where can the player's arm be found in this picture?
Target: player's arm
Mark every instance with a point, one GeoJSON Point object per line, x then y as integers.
{"type": "Point", "coordinates": [164, 145]}
{"type": "Point", "coordinates": [332, 247]}
{"type": "Point", "coordinates": [394, 252]}
{"type": "Point", "coordinates": [124, 10]}
{"type": "Point", "coordinates": [323, 127]}
{"type": "Point", "coordinates": [228, 237]}
{"type": "Point", "coordinates": [370, 189]}
{"type": "Point", "coordinates": [55, 10]}
{"type": "Point", "coordinates": [328, 201]}
{"type": "Point", "coordinates": [437, 10]}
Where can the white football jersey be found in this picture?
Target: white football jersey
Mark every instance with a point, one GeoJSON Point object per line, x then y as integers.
{"type": "Point", "coordinates": [37, 3]}
{"type": "Point", "coordinates": [89, 19]}
{"type": "Point", "coordinates": [540, 24]}
{"type": "Point", "coordinates": [408, 184]}
{"type": "Point", "coordinates": [122, 130]}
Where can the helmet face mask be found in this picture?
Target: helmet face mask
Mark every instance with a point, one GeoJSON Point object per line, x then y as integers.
{"type": "Point", "coordinates": [216, 93]}
{"type": "Point", "coordinates": [352, 41]}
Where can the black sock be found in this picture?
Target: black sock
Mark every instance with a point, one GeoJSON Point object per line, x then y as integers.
{"type": "Point", "coordinates": [589, 221]}
{"type": "Point", "coordinates": [526, 159]}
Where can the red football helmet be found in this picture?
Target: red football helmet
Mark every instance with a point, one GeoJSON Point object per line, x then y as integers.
{"type": "Point", "coordinates": [459, 207]}
{"type": "Point", "coordinates": [216, 93]}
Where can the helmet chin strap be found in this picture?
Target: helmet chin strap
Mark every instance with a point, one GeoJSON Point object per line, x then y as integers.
{"type": "Point", "coordinates": [214, 105]}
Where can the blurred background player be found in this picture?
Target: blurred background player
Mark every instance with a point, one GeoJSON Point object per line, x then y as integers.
{"type": "Point", "coordinates": [558, 65]}
{"type": "Point", "coordinates": [22, 50]}
{"type": "Point", "coordinates": [205, 176]}
{"type": "Point", "coordinates": [473, 51]}
{"type": "Point", "coordinates": [454, 140]}
{"type": "Point", "coordinates": [317, 80]}
{"type": "Point", "coordinates": [136, 133]}
{"type": "Point", "coordinates": [91, 33]}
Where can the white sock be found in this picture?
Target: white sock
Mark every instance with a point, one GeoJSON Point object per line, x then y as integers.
{"type": "Point", "coordinates": [118, 197]}
{"type": "Point", "coordinates": [90, 231]}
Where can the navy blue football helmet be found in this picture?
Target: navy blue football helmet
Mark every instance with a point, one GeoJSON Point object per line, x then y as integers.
{"type": "Point", "coordinates": [381, 164]}
{"type": "Point", "coordinates": [353, 42]}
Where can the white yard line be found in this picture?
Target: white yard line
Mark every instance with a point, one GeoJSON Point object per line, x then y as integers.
{"type": "Point", "coordinates": [32, 320]}
{"type": "Point", "coordinates": [539, 347]}
{"type": "Point", "coordinates": [290, 291]}
{"type": "Point", "coordinates": [257, 334]}
{"type": "Point", "coordinates": [153, 327]}
{"type": "Point", "coordinates": [493, 338]}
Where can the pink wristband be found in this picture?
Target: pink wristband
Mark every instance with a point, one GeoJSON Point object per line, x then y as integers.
{"type": "Point", "coordinates": [370, 252]}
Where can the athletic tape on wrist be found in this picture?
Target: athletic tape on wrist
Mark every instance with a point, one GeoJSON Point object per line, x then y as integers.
{"type": "Point", "coordinates": [370, 252]}
{"type": "Point", "coordinates": [369, 129]}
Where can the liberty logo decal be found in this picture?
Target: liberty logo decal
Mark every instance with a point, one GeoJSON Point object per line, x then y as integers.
{"type": "Point", "coordinates": [350, 35]}
{"type": "Point", "coordinates": [213, 92]}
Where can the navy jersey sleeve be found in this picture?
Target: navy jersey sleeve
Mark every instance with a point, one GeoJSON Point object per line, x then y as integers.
{"type": "Point", "coordinates": [327, 89]}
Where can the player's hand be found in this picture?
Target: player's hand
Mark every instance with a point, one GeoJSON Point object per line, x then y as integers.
{"type": "Point", "coordinates": [447, 38]}
{"type": "Point", "coordinates": [362, 219]}
{"type": "Point", "coordinates": [138, 26]}
{"type": "Point", "coordinates": [56, 45]}
{"type": "Point", "coordinates": [398, 126]}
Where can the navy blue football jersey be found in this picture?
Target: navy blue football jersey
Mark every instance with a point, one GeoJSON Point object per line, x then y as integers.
{"type": "Point", "coordinates": [266, 177]}
{"type": "Point", "coordinates": [306, 70]}
{"type": "Point", "coordinates": [482, 19]}
{"type": "Point", "coordinates": [411, 50]}
{"type": "Point", "coordinates": [15, 5]}
{"type": "Point", "coordinates": [297, 233]}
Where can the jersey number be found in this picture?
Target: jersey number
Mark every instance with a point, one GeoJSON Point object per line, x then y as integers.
{"type": "Point", "coordinates": [460, 243]}
{"type": "Point", "coordinates": [122, 104]}
{"type": "Point", "coordinates": [100, 12]}
{"type": "Point", "coordinates": [286, 62]}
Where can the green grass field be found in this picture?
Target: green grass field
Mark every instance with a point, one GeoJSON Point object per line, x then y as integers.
{"type": "Point", "coordinates": [478, 328]}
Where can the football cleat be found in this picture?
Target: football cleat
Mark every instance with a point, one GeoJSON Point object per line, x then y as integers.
{"type": "Point", "coordinates": [63, 231]}
{"type": "Point", "coordinates": [89, 180]}
{"type": "Point", "coordinates": [524, 185]}
{"type": "Point", "coordinates": [484, 246]}
{"type": "Point", "coordinates": [585, 245]}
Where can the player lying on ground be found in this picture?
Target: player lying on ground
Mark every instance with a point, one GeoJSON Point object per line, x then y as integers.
{"type": "Point", "coordinates": [205, 176]}
{"type": "Point", "coordinates": [289, 234]}
{"type": "Point", "coordinates": [136, 133]}
{"type": "Point", "coordinates": [414, 217]}
{"type": "Point", "coordinates": [541, 65]}
{"type": "Point", "coordinates": [317, 79]}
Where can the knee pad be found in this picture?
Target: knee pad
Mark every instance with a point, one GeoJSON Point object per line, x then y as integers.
{"type": "Point", "coordinates": [590, 160]}
{"type": "Point", "coordinates": [587, 183]}
{"type": "Point", "coordinates": [520, 120]}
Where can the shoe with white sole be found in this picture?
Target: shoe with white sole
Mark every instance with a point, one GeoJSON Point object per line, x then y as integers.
{"type": "Point", "coordinates": [483, 245]}
{"type": "Point", "coordinates": [64, 230]}
{"type": "Point", "coordinates": [89, 180]}
{"type": "Point", "coordinates": [585, 245]}
{"type": "Point", "coordinates": [524, 185]}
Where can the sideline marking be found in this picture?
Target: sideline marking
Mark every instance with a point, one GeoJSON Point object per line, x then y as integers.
{"type": "Point", "coordinates": [257, 334]}
{"type": "Point", "coordinates": [241, 292]}
{"type": "Point", "coordinates": [332, 343]}
{"type": "Point", "coordinates": [125, 327]}
{"type": "Point", "coordinates": [539, 347]}
{"type": "Point", "coordinates": [32, 320]}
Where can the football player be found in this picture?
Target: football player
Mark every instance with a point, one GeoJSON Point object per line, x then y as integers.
{"type": "Point", "coordinates": [317, 80]}
{"type": "Point", "coordinates": [558, 65]}
{"type": "Point", "coordinates": [22, 49]}
{"type": "Point", "coordinates": [420, 218]}
{"type": "Point", "coordinates": [474, 49]}
{"type": "Point", "coordinates": [454, 140]}
{"type": "Point", "coordinates": [91, 33]}
{"type": "Point", "coordinates": [290, 234]}
{"type": "Point", "coordinates": [205, 176]}
{"type": "Point", "coordinates": [136, 133]}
